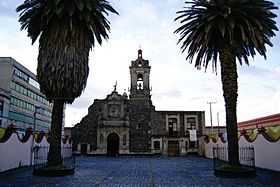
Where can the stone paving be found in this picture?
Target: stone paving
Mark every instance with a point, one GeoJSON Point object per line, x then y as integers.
{"type": "Point", "coordinates": [138, 171]}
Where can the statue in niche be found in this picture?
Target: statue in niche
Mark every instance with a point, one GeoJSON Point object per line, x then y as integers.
{"type": "Point", "coordinates": [114, 111]}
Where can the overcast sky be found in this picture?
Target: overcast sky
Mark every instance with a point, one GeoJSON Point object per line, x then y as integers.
{"type": "Point", "coordinates": [176, 84]}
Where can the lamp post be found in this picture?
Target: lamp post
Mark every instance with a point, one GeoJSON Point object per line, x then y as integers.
{"type": "Point", "coordinates": [34, 130]}
{"type": "Point", "coordinates": [210, 103]}
{"type": "Point", "coordinates": [218, 119]}
{"type": "Point", "coordinates": [34, 117]}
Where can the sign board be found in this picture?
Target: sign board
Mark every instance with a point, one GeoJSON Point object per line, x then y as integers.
{"type": "Point", "coordinates": [193, 135]}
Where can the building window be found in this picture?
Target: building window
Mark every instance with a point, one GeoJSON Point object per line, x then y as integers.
{"type": "Point", "coordinates": [124, 139]}
{"type": "Point", "coordinates": [17, 87]}
{"type": "Point", "coordinates": [30, 120]}
{"type": "Point", "coordinates": [29, 93]}
{"type": "Point", "coordinates": [138, 126]}
{"type": "Point", "coordinates": [1, 107]}
{"type": "Point", "coordinates": [101, 138]}
{"type": "Point", "coordinates": [156, 145]}
{"type": "Point", "coordinates": [21, 118]}
{"type": "Point", "coordinates": [190, 123]}
{"type": "Point", "coordinates": [34, 83]}
{"type": "Point", "coordinates": [20, 74]}
{"type": "Point", "coordinates": [173, 126]}
{"type": "Point", "coordinates": [23, 104]}
{"type": "Point", "coordinates": [91, 147]}
{"type": "Point", "coordinates": [13, 86]}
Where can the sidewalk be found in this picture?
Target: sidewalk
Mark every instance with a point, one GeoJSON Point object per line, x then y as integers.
{"type": "Point", "coordinates": [138, 171]}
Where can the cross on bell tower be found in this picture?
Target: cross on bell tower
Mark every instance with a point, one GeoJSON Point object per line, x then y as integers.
{"type": "Point", "coordinates": [140, 78]}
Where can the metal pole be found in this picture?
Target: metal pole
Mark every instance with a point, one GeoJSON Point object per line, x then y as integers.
{"type": "Point", "coordinates": [218, 119]}
{"type": "Point", "coordinates": [218, 122]}
{"type": "Point", "coordinates": [34, 125]}
{"type": "Point", "coordinates": [32, 143]}
{"type": "Point", "coordinates": [211, 118]}
{"type": "Point", "coordinates": [210, 104]}
{"type": "Point", "coordinates": [34, 130]}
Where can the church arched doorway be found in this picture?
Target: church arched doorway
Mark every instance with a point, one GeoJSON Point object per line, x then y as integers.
{"type": "Point", "coordinates": [113, 144]}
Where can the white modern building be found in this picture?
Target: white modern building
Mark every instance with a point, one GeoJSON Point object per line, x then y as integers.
{"type": "Point", "coordinates": [21, 102]}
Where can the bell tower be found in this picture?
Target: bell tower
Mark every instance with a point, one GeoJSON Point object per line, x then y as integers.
{"type": "Point", "coordinates": [140, 78]}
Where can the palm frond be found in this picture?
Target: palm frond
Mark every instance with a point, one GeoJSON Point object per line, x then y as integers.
{"type": "Point", "coordinates": [67, 30]}
{"type": "Point", "coordinates": [207, 25]}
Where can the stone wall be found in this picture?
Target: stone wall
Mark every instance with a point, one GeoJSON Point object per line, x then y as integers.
{"type": "Point", "coordinates": [139, 128]}
{"type": "Point", "coordinates": [158, 127]}
{"type": "Point", "coordinates": [85, 132]}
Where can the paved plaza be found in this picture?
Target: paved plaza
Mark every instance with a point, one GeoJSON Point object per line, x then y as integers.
{"type": "Point", "coordinates": [138, 171]}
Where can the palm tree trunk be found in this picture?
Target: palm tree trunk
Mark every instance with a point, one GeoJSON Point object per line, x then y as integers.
{"type": "Point", "coordinates": [229, 81]}
{"type": "Point", "coordinates": [54, 156]}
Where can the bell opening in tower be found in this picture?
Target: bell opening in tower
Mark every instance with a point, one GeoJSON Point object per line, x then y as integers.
{"type": "Point", "coordinates": [139, 53]}
{"type": "Point", "coordinates": [139, 82]}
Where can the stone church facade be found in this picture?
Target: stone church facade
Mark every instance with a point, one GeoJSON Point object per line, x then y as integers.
{"type": "Point", "coordinates": [122, 124]}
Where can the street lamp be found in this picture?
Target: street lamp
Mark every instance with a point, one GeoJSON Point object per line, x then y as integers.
{"type": "Point", "coordinates": [36, 111]}
{"type": "Point", "coordinates": [218, 119]}
{"type": "Point", "coordinates": [34, 130]}
{"type": "Point", "coordinates": [210, 103]}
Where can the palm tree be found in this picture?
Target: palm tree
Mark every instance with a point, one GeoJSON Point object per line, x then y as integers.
{"type": "Point", "coordinates": [227, 29]}
{"type": "Point", "coordinates": [67, 30]}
